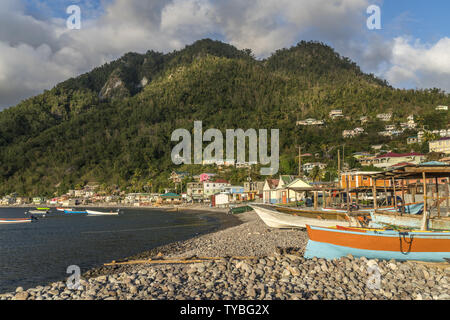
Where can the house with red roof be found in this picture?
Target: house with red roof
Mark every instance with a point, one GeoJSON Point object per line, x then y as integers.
{"type": "Point", "coordinates": [390, 159]}
{"type": "Point", "coordinates": [269, 191]}
{"type": "Point", "coordinates": [441, 145]}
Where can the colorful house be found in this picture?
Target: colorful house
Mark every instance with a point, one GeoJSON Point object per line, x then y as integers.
{"type": "Point", "coordinates": [281, 190]}
{"type": "Point", "coordinates": [206, 177]}
{"type": "Point", "coordinates": [170, 197]}
{"type": "Point", "coordinates": [389, 159]}
{"type": "Point", "coordinates": [269, 191]}
{"type": "Point", "coordinates": [213, 187]}
{"type": "Point", "coordinates": [359, 179]}
{"type": "Point", "coordinates": [289, 195]}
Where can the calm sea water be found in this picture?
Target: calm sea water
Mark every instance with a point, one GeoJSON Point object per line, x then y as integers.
{"type": "Point", "coordinates": [38, 253]}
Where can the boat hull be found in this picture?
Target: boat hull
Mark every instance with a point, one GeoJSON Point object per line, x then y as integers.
{"type": "Point", "coordinates": [14, 221]}
{"type": "Point", "coordinates": [329, 243]}
{"type": "Point", "coordinates": [37, 212]}
{"type": "Point", "coordinates": [275, 219]}
{"type": "Point", "coordinates": [98, 213]}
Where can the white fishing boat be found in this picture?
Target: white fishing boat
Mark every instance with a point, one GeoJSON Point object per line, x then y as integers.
{"type": "Point", "coordinates": [281, 218]}
{"type": "Point", "coordinates": [37, 213]}
{"type": "Point", "coordinates": [64, 209]}
{"type": "Point", "coordinates": [100, 213]}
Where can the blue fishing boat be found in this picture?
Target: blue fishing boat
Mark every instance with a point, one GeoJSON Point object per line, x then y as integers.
{"type": "Point", "coordinates": [409, 221]}
{"type": "Point", "coordinates": [72, 211]}
{"type": "Point", "coordinates": [413, 208]}
{"type": "Point", "coordinates": [331, 243]}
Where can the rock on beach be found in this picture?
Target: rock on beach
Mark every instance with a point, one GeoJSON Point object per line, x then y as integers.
{"type": "Point", "coordinates": [255, 263]}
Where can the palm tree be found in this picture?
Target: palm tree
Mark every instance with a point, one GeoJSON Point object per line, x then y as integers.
{"type": "Point", "coordinates": [315, 174]}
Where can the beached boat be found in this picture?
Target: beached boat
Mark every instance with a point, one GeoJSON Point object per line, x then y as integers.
{"type": "Point", "coordinates": [412, 208]}
{"type": "Point", "coordinates": [15, 221]}
{"type": "Point", "coordinates": [73, 211]}
{"type": "Point", "coordinates": [410, 221]}
{"type": "Point", "coordinates": [331, 243]}
{"type": "Point", "coordinates": [99, 213]}
{"type": "Point", "coordinates": [278, 217]}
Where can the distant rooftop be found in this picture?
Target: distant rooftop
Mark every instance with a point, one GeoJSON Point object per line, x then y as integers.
{"type": "Point", "coordinates": [399, 155]}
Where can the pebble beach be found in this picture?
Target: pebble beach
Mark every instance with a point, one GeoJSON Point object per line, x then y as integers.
{"type": "Point", "coordinates": [250, 261]}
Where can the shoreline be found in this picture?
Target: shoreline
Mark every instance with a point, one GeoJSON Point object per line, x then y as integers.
{"type": "Point", "coordinates": [118, 206]}
{"type": "Point", "coordinates": [170, 249]}
{"type": "Point", "coordinates": [225, 221]}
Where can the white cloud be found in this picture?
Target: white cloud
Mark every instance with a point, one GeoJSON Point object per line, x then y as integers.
{"type": "Point", "coordinates": [36, 54]}
{"type": "Point", "coordinates": [425, 65]}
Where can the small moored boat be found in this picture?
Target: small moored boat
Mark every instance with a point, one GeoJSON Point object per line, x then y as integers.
{"type": "Point", "coordinates": [37, 212]}
{"type": "Point", "coordinates": [100, 213]}
{"type": "Point", "coordinates": [15, 221]}
{"type": "Point", "coordinates": [71, 211]}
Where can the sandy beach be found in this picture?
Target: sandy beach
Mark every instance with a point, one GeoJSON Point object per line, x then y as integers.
{"type": "Point", "coordinates": [252, 262]}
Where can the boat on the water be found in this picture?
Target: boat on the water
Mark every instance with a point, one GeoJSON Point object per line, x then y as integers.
{"type": "Point", "coordinates": [15, 221]}
{"type": "Point", "coordinates": [330, 243]}
{"type": "Point", "coordinates": [64, 209]}
{"type": "Point", "coordinates": [279, 217]}
{"type": "Point", "coordinates": [410, 221]}
{"type": "Point", "coordinates": [43, 209]}
{"type": "Point", "coordinates": [37, 212]}
{"type": "Point", "coordinates": [100, 213]}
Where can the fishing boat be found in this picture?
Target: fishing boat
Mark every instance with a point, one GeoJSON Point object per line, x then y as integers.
{"type": "Point", "coordinates": [412, 208]}
{"type": "Point", "coordinates": [99, 213]}
{"type": "Point", "coordinates": [279, 217]}
{"type": "Point", "coordinates": [15, 221]}
{"type": "Point", "coordinates": [43, 209]}
{"type": "Point", "coordinates": [64, 209]}
{"type": "Point", "coordinates": [410, 221]}
{"type": "Point", "coordinates": [37, 212]}
{"type": "Point", "coordinates": [330, 243]}
{"type": "Point", "coordinates": [71, 211]}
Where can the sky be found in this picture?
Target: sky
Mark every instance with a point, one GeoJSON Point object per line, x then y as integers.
{"type": "Point", "coordinates": [38, 50]}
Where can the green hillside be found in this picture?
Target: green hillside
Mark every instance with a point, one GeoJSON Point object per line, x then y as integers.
{"type": "Point", "coordinates": [113, 124]}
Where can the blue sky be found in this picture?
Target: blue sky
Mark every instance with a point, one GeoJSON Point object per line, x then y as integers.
{"type": "Point", "coordinates": [37, 50]}
{"type": "Point", "coordinates": [421, 19]}
{"type": "Point", "coordinates": [45, 9]}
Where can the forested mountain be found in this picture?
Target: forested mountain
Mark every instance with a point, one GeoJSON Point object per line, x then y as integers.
{"type": "Point", "coordinates": [113, 125]}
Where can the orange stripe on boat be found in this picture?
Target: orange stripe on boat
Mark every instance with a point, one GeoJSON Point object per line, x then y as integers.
{"type": "Point", "coordinates": [370, 241]}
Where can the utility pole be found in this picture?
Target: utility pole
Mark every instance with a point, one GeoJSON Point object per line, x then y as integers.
{"type": "Point", "coordinates": [339, 162]}
{"type": "Point", "coordinates": [300, 169]}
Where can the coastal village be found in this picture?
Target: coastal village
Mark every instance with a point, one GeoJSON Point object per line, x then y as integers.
{"type": "Point", "coordinates": [207, 188]}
